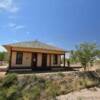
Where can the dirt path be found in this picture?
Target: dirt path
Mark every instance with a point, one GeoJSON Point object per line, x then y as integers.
{"type": "Point", "coordinates": [85, 94]}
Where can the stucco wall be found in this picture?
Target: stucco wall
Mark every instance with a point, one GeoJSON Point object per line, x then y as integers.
{"type": "Point", "coordinates": [27, 57]}
{"type": "Point", "coordinates": [48, 60]}
{"type": "Point", "coordinates": [39, 59]}
{"type": "Point", "coordinates": [26, 60]}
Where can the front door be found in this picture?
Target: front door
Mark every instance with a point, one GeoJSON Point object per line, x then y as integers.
{"type": "Point", "coordinates": [44, 60]}
{"type": "Point", "coordinates": [34, 60]}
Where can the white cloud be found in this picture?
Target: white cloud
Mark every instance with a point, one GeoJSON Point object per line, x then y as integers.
{"type": "Point", "coordinates": [8, 5]}
{"type": "Point", "coordinates": [14, 26]}
{"type": "Point", "coordinates": [19, 27]}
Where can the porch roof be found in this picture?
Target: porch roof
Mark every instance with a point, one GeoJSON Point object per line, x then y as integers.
{"type": "Point", "coordinates": [34, 44]}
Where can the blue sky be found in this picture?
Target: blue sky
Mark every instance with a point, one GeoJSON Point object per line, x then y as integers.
{"type": "Point", "coordinates": [63, 23]}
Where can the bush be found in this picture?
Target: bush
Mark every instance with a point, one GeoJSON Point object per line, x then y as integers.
{"type": "Point", "coordinates": [51, 90]}
{"type": "Point", "coordinates": [32, 94]}
{"type": "Point", "coordinates": [61, 74]}
{"type": "Point", "coordinates": [13, 93]}
{"type": "Point", "coordinates": [3, 95]}
{"type": "Point", "coordinates": [9, 80]}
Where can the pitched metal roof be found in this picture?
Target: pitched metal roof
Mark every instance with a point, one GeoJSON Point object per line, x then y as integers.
{"type": "Point", "coordinates": [35, 44]}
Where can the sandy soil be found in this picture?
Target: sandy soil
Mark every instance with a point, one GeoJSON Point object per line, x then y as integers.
{"type": "Point", "coordinates": [2, 72]}
{"type": "Point", "coordinates": [85, 94]}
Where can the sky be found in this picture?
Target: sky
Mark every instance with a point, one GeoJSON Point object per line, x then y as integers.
{"type": "Point", "coordinates": [63, 23]}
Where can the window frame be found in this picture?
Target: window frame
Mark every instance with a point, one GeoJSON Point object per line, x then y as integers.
{"type": "Point", "coordinates": [19, 58]}
{"type": "Point", "coordinates": [55, 59]}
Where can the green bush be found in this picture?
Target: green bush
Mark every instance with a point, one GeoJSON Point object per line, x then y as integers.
{"type": "Point", "coordinates": [9, 80]}
{"type": "Point", "coordinates": [3, 95]}
{"type": "Point", "coordinates": [32, 94]}
{"type": "Point", "coordinates": [13, 93]}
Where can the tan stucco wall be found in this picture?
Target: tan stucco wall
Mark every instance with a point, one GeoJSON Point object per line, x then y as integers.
{"type": "Point", "coordinates": [9, 52]}
{"type": "Point", "coordinates": [59, 60]}
{"type": "Point", "coordinates": [39, 59]}
{"type": "Point", "coordinates": [26, 60]}
{"type": "Point", "coordinates": [48, 60]}
{"type": "Point", "coordinates": [27, 57]}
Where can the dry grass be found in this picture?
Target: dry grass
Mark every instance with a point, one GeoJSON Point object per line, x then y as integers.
{"type": "Point", "coordinates": [45, 86]}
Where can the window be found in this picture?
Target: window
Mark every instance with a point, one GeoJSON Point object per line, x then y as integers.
{"type": "Point", "coordinates": [55, 60]}
{"type": "Point", "coordinates": [19, 58]}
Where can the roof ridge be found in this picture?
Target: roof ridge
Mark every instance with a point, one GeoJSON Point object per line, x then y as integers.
{"type": "Point", "coordinates": [35, 44]}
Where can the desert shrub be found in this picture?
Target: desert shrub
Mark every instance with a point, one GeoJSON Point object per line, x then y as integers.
{"type": "Point", "coordinates": [36, 92]}
{"type": "Point", "coordinates": [88, 82]}
{"type": "Point", "coordinates": [61, 74]}
{"type": "Point", "coordinates": [9, 80]}
{"type": "Point", "coordinates": [83, 82]}
{"type": "Point", "coordinates": [42, 83]}
{"type": "Point", "coordinates": [32, 87]}
{"type": "Point", "coordinates": [23, 82]}
{"type": "Point", "coordinates": [63, 89]}
{"type": "Point", "coordinates": [32, 94]}
{"type": "Point", "coordinates": [68, 88]}
{"type": "Point", "coordinates": [13, 93]}
{"type": "Point", "coordinates": [77, 84]}
{"type": "Point", "coordinates": [3, 95]}
{"type": "Point", "coordinates": [52, 90]}
{"type": "Point", "coordinates": [27, 80]}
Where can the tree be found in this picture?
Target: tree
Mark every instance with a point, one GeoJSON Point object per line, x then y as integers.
{"type": "Point", "coordinates": [3, 56]}
{"type": "Point", "coordinates": [86, 54]}
{"type": "Point", "coordinates": [73, 58]}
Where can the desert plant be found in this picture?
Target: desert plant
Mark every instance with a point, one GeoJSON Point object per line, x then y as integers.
{"type": "Point", "coordinates": [51, 90]}
{"type": "Point", "coordinates": [13, 93]}
{"type": "Point", "coordinates": [3, 95]}
{"type": "Point", "coordinates": [86, 54]}
{"type": "Point", "coordinates": [61, 74]}
{"type": "Point", "coordinates": [9, 80]}
{"type": "Point", "coordinates": [32, 94]}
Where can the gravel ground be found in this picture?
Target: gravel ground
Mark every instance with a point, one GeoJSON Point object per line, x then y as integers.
{"type": "Point", "coordinates": [85, 94]}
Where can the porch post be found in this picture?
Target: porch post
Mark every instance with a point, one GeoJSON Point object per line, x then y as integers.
{"type": "Point", "coordinates": [60, 60]}
{"type": "Point", "coordinates": [10, 58]}
{"type": "Point", "coordinates": [50, 60]}
{"type": "Point", "coordinates": [64, 60]}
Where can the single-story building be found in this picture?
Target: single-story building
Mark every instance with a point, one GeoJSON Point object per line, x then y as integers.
{"type": "Point", "coordinates": [34, 54]}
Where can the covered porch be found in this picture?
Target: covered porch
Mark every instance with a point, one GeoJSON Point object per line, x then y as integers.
{"type": "Point", "coordinates": [20, 59]}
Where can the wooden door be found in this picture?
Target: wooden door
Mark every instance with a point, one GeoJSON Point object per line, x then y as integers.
{"type": "Point", "coordinates": [44, 60]}
{"type": "Point", "coordinates": [34, 59]}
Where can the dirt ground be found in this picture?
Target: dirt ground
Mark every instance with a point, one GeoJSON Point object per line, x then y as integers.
{"type": "Point", "coordinates": [85, 94]}
{"type": "Point", "coordinates": [2, 72]}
